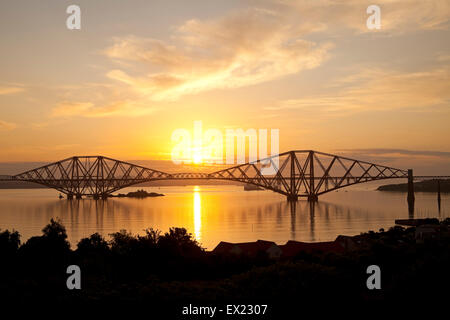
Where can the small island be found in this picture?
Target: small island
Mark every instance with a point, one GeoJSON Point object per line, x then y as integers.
{"type": "Point", "coordinates": [138, 194]}
{"type": "Point", "coordinates": [251, 187]}
{"type": "Point", "coordinates": [420, 186]}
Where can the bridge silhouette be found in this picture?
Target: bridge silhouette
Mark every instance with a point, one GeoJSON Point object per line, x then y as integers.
{"type": "Point", "coordinates": [299, 173]}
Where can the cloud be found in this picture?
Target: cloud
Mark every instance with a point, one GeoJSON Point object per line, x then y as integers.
{"type": "Point", "coordinates": [424, 162]}
{"type": "Point", "coordinates": [66, 109]}
{"type": "Point", "coordinates": [90, 110]}
{"type": "Point", "coordinates": [397, 16]}
{"type": "Point", "coordinates": [238, 50]}
{"type": "Point", "coordinates": [398, 152]}
{"type": "Point", "coordinates": [265, 42]}
{"type": "Point", "coordinates": [10, 90]}
{"type": "Point", "coordinates": [376, 89]}
{"type": "Point", "coordinates": [7, 126]}
{"type": "Point", "coordinates": [255, 45]}
{"type": "Point", "coordinates": [442, 57]}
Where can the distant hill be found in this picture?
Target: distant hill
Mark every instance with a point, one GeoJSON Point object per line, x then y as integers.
{"type": "Point", "coordinates": [420, 186]}
{"type": "Point", "coordinates": [20, 185]}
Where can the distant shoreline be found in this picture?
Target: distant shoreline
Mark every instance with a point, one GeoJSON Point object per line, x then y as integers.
{"type": "Point", "coordinates": [176, 183]}
{"type": "Point", "coordinates": [420, 186]}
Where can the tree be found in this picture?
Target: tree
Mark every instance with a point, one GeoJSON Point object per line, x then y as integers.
{"type": "Point", "coordinates": [55, 234]}
{"type": "Point", "coordinates": [123, 242]}
{"type": "Point", "coordinates": [9, 242]}
{"type": "Point", "coordinates": [49, 248]}
{"type": "Point", "coordinates": [95, 244]}
{"type": "Point", "coordinates": [178, 241]}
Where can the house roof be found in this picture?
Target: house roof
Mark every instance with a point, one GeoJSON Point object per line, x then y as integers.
{"type": "Point", "coordinates": [252, 248]}
{"type": "Point", "coordinates": [223, 247]}
{"type": "Point", "coordinates": [428, 227]}
{"type": "Point", "coordinates": [292, 248]}
{"type": "Point", "coordinates": [249, 248]}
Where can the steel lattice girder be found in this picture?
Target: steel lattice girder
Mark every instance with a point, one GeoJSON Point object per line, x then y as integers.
{"type": "Point", "coordinates": [90, 175]}
{"type": "Point", "coordinates": [299, 173]}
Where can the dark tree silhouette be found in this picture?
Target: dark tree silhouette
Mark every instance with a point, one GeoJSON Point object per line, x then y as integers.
{"type": "Point", "coordinates": [179, 241]}
{"type": "Point", "coordinates": [123, 242]}
{"type": "Point", "coordinates": [95, 244]}
{"type": "Point", "coordinates": [50, 249]}
{"type": "Point", "coordinates": [9, 242]}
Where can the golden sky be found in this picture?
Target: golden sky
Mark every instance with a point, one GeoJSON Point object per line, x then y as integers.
{"type": "Point", "coordinates": [138, 70]}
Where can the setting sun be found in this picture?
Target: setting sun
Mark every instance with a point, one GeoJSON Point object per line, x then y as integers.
{"type": "Point", "coordinates": [197, 157]}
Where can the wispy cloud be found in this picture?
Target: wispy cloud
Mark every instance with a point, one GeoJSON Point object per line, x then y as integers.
{"type": "Point", "coordinates": [265, 42]}
{"type": "Point", "coordinates": [241, 49]}
{"type": "Point", "coordinates": [424, 162]}
{"type": "Point", "coordinates": [397, 152]}
{"type": "Point", "coordinates": [10, 90]}
{"type": "Point", "coordinates": [6, 126]}
{"type": "Point", "coordinates": [376, 89]}
{"type": "Point", "coordinates": [90, 110]}
{"type": "Point", "coordinates": [237, 50]}
{"type": "Point", "coordinates": [398, 16]}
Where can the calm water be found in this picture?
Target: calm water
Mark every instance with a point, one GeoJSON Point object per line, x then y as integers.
{"type": "Point", "coordinates": [215, 213]}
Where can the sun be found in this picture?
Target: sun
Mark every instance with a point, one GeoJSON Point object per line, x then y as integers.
{"type": "Point", "coordinates": [197, 158]}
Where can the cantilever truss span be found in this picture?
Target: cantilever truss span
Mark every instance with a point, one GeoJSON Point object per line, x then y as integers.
{"type": "Point", "coordinates": [303, 173]}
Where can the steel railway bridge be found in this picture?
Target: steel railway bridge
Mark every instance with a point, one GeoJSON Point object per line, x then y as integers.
{"type": "Point", "coordinates": [299, 173]}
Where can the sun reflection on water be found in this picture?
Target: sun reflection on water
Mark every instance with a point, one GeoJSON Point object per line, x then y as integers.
{"type": "Point", "coordinates": [197, 213]}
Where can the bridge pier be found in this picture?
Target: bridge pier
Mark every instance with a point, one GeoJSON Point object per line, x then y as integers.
{"type": "Point", "coordinates": [411, 197]}
{"type": "Point", "coordinates": [292, 197]}
{"type": "Point", "coordinates": [69, 196]}
{"type": "Point", "coordinates": [99, 196]}
{"type": "Point", "coordinates": [78, 196]}
{"type": "Point", "coordinates": [439, 196]}
{"type": "Point", "coordinates": [313, 198]}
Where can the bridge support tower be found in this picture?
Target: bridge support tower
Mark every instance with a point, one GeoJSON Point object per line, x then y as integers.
{"type": "Point", "coordinates": [312, 196]}
{"type": "Point", "coordinates": [411, 197]}
{"type": "Point", "coordinates": [98, 196]}
{"type": "Point", "coordinates": [292, 196]}
{"type": "Point", "coordinates": [439, 195]}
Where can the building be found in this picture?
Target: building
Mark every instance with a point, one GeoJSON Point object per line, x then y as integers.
{"type": "Point", "coordinates": [293, 248]}
{"type": "Point", "coordinates": [348, 243]}
{"type": "Point", "coordinates": [274, 251]}
{"type": "Point", "coordinates": [252, 249]}
{"type": "Point", "coordinates": [427, 232]}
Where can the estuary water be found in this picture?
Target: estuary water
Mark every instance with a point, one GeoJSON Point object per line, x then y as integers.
{"type": "Point", "coordinates": [217, 213]}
